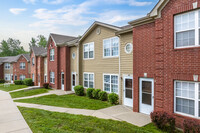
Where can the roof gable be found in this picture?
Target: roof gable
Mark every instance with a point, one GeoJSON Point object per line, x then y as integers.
{"type": "Point", "coordinates": [38, 51]}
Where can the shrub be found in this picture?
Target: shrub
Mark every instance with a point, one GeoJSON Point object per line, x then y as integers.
{"type": "Point", "coordinates": [113, 98]}
{"type": "Point", "coordinates": [191, 126]}
{"type": "Point", "coordinates": [89, 92]}
{"type": "Point", "coordinates": [2, 81]}
{"type": "Point", "coordinates": [18, 82]}
{"type": "Point", "coordinates": [28, 82]}
{"type": "Point", "coordinates": [79, 90]}
{"type": "Point", "coordinates": [103, 96]}
{"type": "Point", "coordinates": [95, 93]}
{"type": "Point", "coordinates": [46, 85]}
{"type": "Point", "coordinates": [163, 120]}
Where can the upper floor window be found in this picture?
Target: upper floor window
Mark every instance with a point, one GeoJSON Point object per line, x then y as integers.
{"type": "Point", "coordinates": [88, 51]}
{"type": "Point", "coordinates": [7, 65]}
{"type": "Point", "coordinates": [187, 27]}
{"type": "Point", "coordinates": [22, 65]}
{"type": "Point", "coordinates": [33, 61]}
{"type": "Point", "coordinates": [111, 47]}
{"type": "Point", "coordinates": [52, 55]}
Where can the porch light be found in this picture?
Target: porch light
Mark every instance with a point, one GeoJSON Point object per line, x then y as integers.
{"type": "Point", "coordinates": [195, 77]}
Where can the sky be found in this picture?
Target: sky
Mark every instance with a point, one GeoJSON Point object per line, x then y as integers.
{"type": "Point", "coordinates": [24, 19]}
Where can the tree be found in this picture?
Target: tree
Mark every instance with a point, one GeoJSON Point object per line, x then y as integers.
{"type": "Point", "coordinates": [33, 42]}
{"type": "Point", "coordinates": [42, 41]}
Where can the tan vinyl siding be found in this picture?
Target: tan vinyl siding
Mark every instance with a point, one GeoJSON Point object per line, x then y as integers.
{"type": "Point", "coordinates": [29, 68]}
{"type": "Point", "coordinates": [98, 65]}
{"type": "Point", "coordinates": [74, 62]}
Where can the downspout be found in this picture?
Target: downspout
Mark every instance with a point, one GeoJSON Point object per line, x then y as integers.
{"type": "Point", "coordinates": [78, 64]}
{"type": "Point", "coordinates": [120, 87]}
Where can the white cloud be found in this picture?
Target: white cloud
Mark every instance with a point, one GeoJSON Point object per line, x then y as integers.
{"type": "Point", "coordinates": [17, 11]}
{"type": "Point", "coordinates": [129, 2]}
{"type": "Point", "coordinates": [30, 1]}
{"type": "Point", "coordinates": [53, 1]}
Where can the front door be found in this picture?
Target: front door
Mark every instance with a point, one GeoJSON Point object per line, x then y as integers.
{"type": "Point", "coordinates": [73, 80]}
{"type": "Point", "coordinates": [146, 95]}
{"type": "Point", "coordinates": [62, 81]}
{"type": "Point", "coordinates": [11, 78]}
{"type": "Point", "coordinates": [128, 91]}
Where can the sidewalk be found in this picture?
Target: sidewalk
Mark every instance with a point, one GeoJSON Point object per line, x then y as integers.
{"type": "Point", "coordinates": [119, 112]}
{"type": "Point", "coordinates": [11, 120]}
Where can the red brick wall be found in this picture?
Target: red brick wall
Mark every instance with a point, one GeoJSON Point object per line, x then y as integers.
{"type": "Point", "coordinates": [34, 68]}
{"type": "Point", "coordinates": [17, 71]}
{"type": "Point", "coordinates": [1, 71]}
{"type": "Point", "coordinates": [156, 56]}
{"type": "Point", "coordinates": [60, 64]}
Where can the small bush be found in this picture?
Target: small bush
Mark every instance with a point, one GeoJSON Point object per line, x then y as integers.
{"type": "Point", "coordinates": [89, 92]}
{"type": "Point", "coordinates": [163, 120]}
{"type": "Point", "coordinates": [113, 98]}
{"type": "Point", "coordinates": [2, 81]}
{"type": "Point", "coordinates": [103, 96]}
{"type": "Point", "coordinates": [79, 90]}
{"type": "Point", "coordinates": [46, 85]}
{"type": "Point", "coordinates": [95, 93]}
{"type": "Point", "coordinates": [191, 126]}
{"type": "Point", "coordinates": [28, 82]}
{"type": "Point", "coordinates": [18, 82]}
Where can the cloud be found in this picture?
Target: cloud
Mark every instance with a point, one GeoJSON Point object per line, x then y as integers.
{"type": "Point", "coordinates": [17, 11]}
{"type": "Point", "coordinates": [30, 1]}
{"type": "Point", "coordinates": [54, 2]}
{"type": "Point", "coordinates": [130, 2]}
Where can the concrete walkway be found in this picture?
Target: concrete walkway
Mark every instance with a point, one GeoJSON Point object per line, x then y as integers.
{"type": "Point", "coordinates": [119, 112]}
{"type": "Point", "coordinates": [11, 120]}
{"type": "Point", "coordinates": [28, 88]}
{"type": "Point", "coordinates": [57, 92]}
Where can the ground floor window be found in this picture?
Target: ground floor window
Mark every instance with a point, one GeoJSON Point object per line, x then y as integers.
{"type": "Point", "coordinates": [52, 77]}
{"type": "Point", "coordinates": [45, 78]}
{"type": "Point", "coordinates": [22, 77]}
{"type": "Point", "coordinates": [33, 77]}
{"type": "Point", "coordinates": [15, 77]}
{"type": "Point", "coordinates": [88, 79]}
{"type": "Point", "coordinates": [187, 98]}
{"type": "Point", "coordinates": [7, 77]}
{"type": "Point", "coordinates": [111, 83]}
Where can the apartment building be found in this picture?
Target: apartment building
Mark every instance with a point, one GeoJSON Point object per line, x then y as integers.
{"type": "Point", "coordinates": [106, 60]}
{"type": "Point", "coordinates": [38, 58]}
{"type": "Point", "coordinates": [166, 60]}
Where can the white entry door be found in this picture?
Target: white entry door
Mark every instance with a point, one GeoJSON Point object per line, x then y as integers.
{"type": "Point", "coordinates": [128, 91]}
{"type": "Point", "coordinates": [63, 81]}
{"type": "Point", "coordinates": [73, 80]}
{"type": "Point", "coordinates": [146, 95]}
{"type": "Point", "coordinates": [11, 78]}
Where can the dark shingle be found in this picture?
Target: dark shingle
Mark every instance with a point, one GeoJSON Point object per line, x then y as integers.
{"type": "Point", "coordinates": [38, 51]}
{"type": "Point", "coordinates": [61, 39]}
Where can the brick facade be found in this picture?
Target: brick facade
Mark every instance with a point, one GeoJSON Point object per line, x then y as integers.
{"type": "Point", "coordinates": [60, 64]}
{"type": "Point", "coordinates": [16, 68]}
{"type": "Point", "coordinates": [156, 56]}
{"type": "Point", "coordinates": [1, 71]}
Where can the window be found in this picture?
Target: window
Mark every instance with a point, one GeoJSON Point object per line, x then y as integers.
{"type": "Point", "coordinates": [128, 48]}
{"type": "Point", "coordinates": [73, 55]}
{"type": "Point", "coordinates": [111, 47]}
{"type": "Point", "coordinates": [111, 83]}
{"type": "Point", "coordinates": [52, 77]}
{"type": "Point", "coordinates": [187, 27]}
{"type": "Point", "coordinates": [88, 51]}
{"type": "Point", "coordinates": [52, 55]}
{"type": "Point", "coordinates": [33, 61]}
{"type": "Point", "coordinates": [7, 77]}
{"type": "Point", "coordinates": [187, 98]}
{"type": "Point", "coordinates": [33, 77]}
{"type": "Point", "coordinates": [7, 65]}
{"type": "Point", "coordinates": [15, 77]}
{"type": "Point", "coordinates": [22, 77]}
{"type": "Point", "coordinates": [45, 78]}
{"type": "Point", "coordinates": [88, 80]}
{"type": "Point", "coordinates": [22, 65]}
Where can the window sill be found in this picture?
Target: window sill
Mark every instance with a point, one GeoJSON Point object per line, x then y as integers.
{"type": "Point", "coordinates": [89, 59]}
{"type": "Point", "coordinates": [187, 48]}
{"type": "Point", "coordinates": [110, 57]}
{"type": "Point", "coordinates": [185, 115]}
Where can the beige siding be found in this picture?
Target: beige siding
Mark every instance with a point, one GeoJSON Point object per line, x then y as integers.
{"type": "Point", "coordinates": [29, 68]}
{"type": "Point", "coordinates": [98, 65]}
{"type": "Point", "coordinates": [8, 71]}
{"type": "Point", "coordinates": [74, 62]}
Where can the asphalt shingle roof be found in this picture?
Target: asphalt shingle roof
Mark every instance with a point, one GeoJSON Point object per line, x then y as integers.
{"type": "Point", "coordinates": [61, 39]}
{"type": "Point", "coordinates": [10, 59]}
{"type": "Point", "coordinates": [39, 51]}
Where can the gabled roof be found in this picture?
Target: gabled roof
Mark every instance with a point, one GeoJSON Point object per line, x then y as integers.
{"type": "Point", "coordinates": [60, 40]}
{"type": "Point", "coordinates": [11, 59]}
{"type": "Point", "coordinates": [73, 42]}
{"type": "Point", "coordinates": [27, 56]}
{"type": "Point", "coordinates": [155, 13]}
{"type": "Point", "coordinates": [96, 23]}
{"type": "Point", "coordinates": [39, 51]}
{"type": "Point", "coordinates": [125, 29]}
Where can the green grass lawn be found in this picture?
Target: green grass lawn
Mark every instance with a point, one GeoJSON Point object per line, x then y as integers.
{"type": "Point", "coordinates": [12, 87]}
{"type": "Point", "coordinates": [24, 93]}
{"type": "Point", "coordinates": [41, 121]}
{"type": "Point", "coordinates": [68, 101]}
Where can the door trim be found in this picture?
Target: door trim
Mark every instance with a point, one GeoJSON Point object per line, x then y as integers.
{"type": "Point", "coordinates": [140, 94]}
{"type": "Point", "coordinates": [72, 80]}
{"type": "Point", "coordinates": [124, 89]}
{"type": "Point", "coordinates": [62, 85]}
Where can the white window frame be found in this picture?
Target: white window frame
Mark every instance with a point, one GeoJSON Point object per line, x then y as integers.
{"type": "Point", "coordinates": [131, 50]}
{"type": "Point", "coordinates": [52, 77]}
{"type": "Point", "coordinates": [88, 73]}
{"type": "Point", "coordinates": [22, 77]}
{"type": "Point", "coordinates": [22, 65]}
{"type": "Point", "coordinates": [91, 43]}
{"type": "Point", "coordinates": [110, 45]}
{"type": "Point", "coordinates": [52, 54]}
{"type": "Point", "coordinates": [196, 99]}
{"type": "Point", "coordinates": [7, 76]}
{"type": "Point", "coordinates": [197, 28]}
{"type": "Point", "coordinates": [111, 83]}
{"type": "Point", "coordinates": [33, 77]}
{"type": "Point", "coordinates": [45, 78]}
{"type": "Point", "coordinates": [7, 66]}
